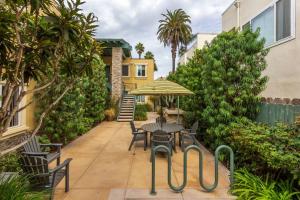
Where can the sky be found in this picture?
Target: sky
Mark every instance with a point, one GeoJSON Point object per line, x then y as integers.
{"type": "Point", "coordinates": [137, 21]}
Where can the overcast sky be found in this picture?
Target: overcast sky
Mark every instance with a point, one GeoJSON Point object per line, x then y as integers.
{"type": "Point", "coordinates": [137, 21]}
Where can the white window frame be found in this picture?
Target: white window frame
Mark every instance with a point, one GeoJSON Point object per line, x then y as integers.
{"type": "Point", "coordinates": [293, 22]}
{"type": "Point", "coordinates": [138, 99]}
{"type": "Point", "coordinates": [128, 70]}
{"type": "Point", "coordinates": [137, 67]}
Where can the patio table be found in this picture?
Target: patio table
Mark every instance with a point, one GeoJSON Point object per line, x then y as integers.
{"type": "Point", "coordinates": [166, 127]}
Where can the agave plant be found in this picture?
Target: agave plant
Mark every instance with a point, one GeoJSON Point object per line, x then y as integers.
{"type": "Point", "coordinates": [248, 186]}
{"type": "Point", "coordinates": [16, 188]}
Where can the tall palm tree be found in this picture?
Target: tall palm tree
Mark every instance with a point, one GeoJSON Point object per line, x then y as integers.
{"type": "Point", "coordinates": [174, 30]}
{"type": "Point", "coordinates": [150, 55]}
{"type": "Point", "coordinates": [139, 47]}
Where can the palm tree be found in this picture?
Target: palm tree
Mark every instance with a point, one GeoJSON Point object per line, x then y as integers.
{"type": "Point", "coordinates": [174, 30]}
{"type": "Point", "coordinates": [139, 49]}
{"type": "Point", "coordinates": [150, 55]}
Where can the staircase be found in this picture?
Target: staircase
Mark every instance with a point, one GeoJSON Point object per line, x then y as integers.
{"type": "Point", "coordinates": [127, 108]}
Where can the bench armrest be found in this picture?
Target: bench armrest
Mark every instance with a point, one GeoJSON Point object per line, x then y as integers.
{"type": "Point", "coordinates": [56, 145]}
{"type": "Point", "coordinates": [62, 165]}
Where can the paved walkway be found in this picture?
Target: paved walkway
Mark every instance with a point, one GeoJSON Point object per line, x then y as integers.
{"type": "Point", "coordinates": [103, 168]}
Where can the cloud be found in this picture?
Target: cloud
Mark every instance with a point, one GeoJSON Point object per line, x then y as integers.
{"type": "Point", "coordinates": [137, 21]}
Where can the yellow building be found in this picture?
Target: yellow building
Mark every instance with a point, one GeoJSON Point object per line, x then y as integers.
{"type": "Point", "coordinates": [123, 72]}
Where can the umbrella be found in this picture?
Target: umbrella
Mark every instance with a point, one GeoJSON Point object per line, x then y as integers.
{"type": "Point", "coordinates": [162, 87]}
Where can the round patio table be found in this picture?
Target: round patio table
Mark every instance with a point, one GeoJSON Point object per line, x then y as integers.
{"type": "Point", "coordinates": [166, 127]}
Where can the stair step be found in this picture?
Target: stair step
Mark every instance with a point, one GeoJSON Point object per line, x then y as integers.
{"type": "Point", "coordinates": [124, 120]}
{"type": "Point", "coordinates": [125, 114]}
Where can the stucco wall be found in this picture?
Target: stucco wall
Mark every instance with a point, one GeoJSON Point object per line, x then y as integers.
{"type": "Point", "coordinates": [283, 60]}
{"type": "Point", "coordinates": [198, 44]}
{"type": "Point", "coordinates": [133, 79]}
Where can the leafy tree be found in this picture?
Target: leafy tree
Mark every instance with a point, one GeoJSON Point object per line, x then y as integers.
{"type": "Point", "coordinates": [139, 47]}
{"type": "Point", "coordinates": [49, 42]}
{"type": "Point", "coordinates": [82, 107]}
{"type": "Point", "coordinates": [150, 55]}
{"type": "Point", "coordinates": [174, 30]}
{"type": "Point", "coordinates": [182, 50]}
{"type": "Point", "coordinates": [226, 77]}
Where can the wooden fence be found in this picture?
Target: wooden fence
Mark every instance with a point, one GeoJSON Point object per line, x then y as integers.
{"type": "Point", "coordinates": [272, 113]}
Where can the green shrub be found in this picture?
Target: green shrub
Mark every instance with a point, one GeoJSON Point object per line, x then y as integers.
{"type": "Point", "coordinates": [149, 107]}
{"type": "Point", "coordinates": [189, 118]}
{"type": "Point", "coordinates": [141, 107]}
{"type": "Point", "coordinates": [226, 79]}
{"type": "Point", "coordinates": [249, 186]}
{"type": "Point", "coordinates": [140, 112]}
{"type": "Point", "coordinates": [9, 163]}
{"type": "Point", "coordinates": [79, 110]}
{"type": "Point", "coordinates": [264, 149]}
{"type": "Point", "coordinates": [17, 188]}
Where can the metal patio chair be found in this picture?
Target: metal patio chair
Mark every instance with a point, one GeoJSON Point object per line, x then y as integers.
{"type": "Point", "coordinates": [187, 137]}
{"type": "Point", "coordinates": [160, 137]}
{"type": "Point", "coordinates": [138, 135]}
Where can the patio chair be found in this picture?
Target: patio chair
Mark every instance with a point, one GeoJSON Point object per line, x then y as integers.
{"type": "Point", "coordinates": [160, 137]}
{"type": "Point", "coordinates": [187, 137]}
{"type": "Point", "coordinates": [138, 135]}
{"type": "Point", "coordinates": [40, 176]}
{"type": "Point", "coordinates": [34, 148]}
{"type": "Point", "coordinates": [161, 120]}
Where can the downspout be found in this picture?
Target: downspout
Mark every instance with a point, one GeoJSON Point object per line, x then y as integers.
{"type": "Point", "coordinates": [237, 4]}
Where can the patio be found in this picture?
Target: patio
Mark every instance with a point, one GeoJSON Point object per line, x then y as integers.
{"type": "Point", "coordinates": [103, 168]}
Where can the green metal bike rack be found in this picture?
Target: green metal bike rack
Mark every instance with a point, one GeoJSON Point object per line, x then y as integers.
{"type": "Point", "coordinates": [201, 181]}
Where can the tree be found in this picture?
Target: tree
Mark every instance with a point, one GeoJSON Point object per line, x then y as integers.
{"type": "Point", "coordinates": [48, 42]}
{"type": "Point", "coordinates": [227, 81]}
{"type": "Point", "coordinates": [150, 55]}
{"type": "Point", "coordinates": [182, 50]}
{"type": "Point", "coordinates": [174, 30]}
{"type": "Point", "coordinates": [139, 47]}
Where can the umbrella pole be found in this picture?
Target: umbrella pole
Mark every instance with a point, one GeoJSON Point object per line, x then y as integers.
{"type": "Point", "coordinates": [161, 111]}
{"type": "Point", "coordinates": [177, 109]}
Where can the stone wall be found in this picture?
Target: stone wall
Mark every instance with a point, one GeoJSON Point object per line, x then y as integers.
{"type": "Point", "coordinates": [116, 71]}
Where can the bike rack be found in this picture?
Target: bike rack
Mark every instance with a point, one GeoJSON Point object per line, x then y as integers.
{"type": "Point", "coordinates": [197, 148]}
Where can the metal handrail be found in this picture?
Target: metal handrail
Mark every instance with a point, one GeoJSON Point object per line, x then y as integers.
{"type": "Point", "coordinates": [201, 181]}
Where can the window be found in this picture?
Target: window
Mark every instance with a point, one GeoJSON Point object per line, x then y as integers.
{"type": "Point", "coordinates": [140, 99]}
{"type": "Point", "coordinates": [125, 70]}
{"type": "Point", "coordinates": [264, 21]}
{"type": "Point", "coordinates": [15, 121]}
{"type": "Point", "coordinates": [283, 19]}
{"type": "Point", "coordinates": [140, 70]}
{"type": "Point", "coordinates": [276, 23]}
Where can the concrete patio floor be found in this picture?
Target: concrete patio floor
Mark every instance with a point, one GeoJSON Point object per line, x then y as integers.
{"type": "Point", "coordinates": [103, 168]}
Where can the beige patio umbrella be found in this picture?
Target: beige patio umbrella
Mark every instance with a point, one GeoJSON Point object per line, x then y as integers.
{"type": "Point", "coordinates": [161, 88]}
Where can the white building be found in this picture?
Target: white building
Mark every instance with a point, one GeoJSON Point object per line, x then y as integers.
{"type": "Point", "coordinates": [279, 22]}
{"type": "Point", "coordinates": [197, 42]}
